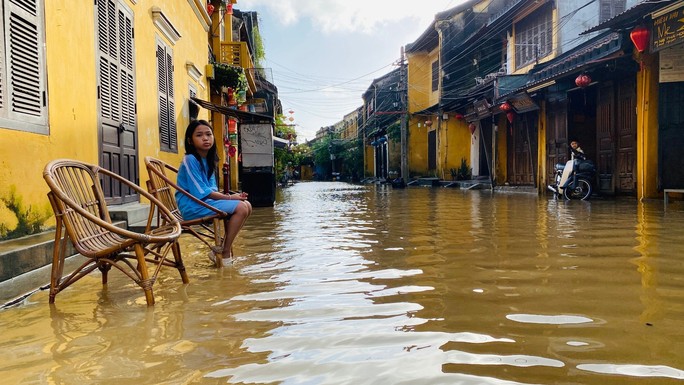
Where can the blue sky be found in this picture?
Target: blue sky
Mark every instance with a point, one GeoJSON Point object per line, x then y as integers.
{"type": "Point", "coordinates": [325, 53]}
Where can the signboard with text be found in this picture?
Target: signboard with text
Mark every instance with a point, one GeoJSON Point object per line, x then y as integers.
{"type": "Point", "coordinates": [668, 30]}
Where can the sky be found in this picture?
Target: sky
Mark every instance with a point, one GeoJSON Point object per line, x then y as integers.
{"type": "Point", "coordinates": [324, 54]}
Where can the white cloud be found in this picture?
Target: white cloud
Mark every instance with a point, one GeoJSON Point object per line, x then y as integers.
{"type": "Point", "coordinates": [364, 16]}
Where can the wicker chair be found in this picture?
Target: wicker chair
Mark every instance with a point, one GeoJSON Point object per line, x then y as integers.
{"type": "Point", "coordinates": [163, 186]}
{"type": "Point", "coordinates": [79, 205]}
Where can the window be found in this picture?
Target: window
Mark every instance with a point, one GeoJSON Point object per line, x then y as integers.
{"type": "Point", "coordinates": [193, 108]}
{"type": "Point", "coordinates": [435, 75]}
{"type": "Point", "coordinates": [610, 9]}
{"type": "Point", "coordinates": [23, 97]}
{"type": "Point", "coordinates": [534, 37]}
{"type": "Point", "coordinates": [168, 139]}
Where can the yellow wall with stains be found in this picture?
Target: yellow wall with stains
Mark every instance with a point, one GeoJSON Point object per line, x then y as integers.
{"type": "Point", "coordinates": [72, 92]}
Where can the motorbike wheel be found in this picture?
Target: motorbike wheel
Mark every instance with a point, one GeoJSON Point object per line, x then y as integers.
{"type": "Point", "coordinates": [581, 191]}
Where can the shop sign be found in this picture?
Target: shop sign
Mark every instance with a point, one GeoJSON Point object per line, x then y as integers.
{"type": "Point", "coordinates": [522, 102]}
{"type": "Point", "coordinates": [482, 108]}
{"type": "Point", "coordinates": [668, 30]}
{"type": "Point", "coordinates": [672, 64]}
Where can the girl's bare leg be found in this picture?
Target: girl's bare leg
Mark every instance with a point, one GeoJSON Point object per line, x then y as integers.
{"type": "Point", "coordinates": [233, 226]}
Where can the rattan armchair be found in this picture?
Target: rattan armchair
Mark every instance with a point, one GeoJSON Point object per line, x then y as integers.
{"type": "Point", "coordinates": [79, 205]}
{"type": "Point", "coordinates": [163, 186]}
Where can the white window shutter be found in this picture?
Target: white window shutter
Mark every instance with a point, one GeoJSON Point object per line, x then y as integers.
{"type": "Point", "coordinates": [25, 81]}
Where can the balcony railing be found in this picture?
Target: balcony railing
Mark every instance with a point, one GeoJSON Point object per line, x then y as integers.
{"type": "Point", "coordinates": [237, 54]}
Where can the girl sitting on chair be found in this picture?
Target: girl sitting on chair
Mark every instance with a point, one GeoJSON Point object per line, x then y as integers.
{"type": "Point", "coordinates": [196, 175]}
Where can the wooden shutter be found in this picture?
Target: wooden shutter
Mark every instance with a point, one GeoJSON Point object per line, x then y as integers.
{"type": "Point", "coordinates": [167, 119]}
{"type": "Point", "coordinates": [22, 83]}
{"type": "Point", "coordinates": [128, 108]}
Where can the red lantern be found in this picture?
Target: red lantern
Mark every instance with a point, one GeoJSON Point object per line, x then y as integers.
{"type": "Point", "coordinates": [583, 80]}
{"type": "Point", "coordinates": [458, 116]}
{"type": "Point", "coordinates": [232, 151]}
{"type": "Point", "coordinates": [510, 115]}
{"type": "Point", "coordinates": [229, 8]}
{"type": "Point", "coordinates": [640, 37]}
{"type": "Point", "coordinates": [428, 123]}
{"type": "Point", "coordinates": [472, 128]}
{"type": "Point", "coordinates": [210, 9]}
{"type": "Point", "coordinates": [505, 107]}
{"type": "Point", "coordinates": [232, 126]}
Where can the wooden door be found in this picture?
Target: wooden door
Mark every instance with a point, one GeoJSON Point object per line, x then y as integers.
{"type": "Point", "coordinates": [671, 135]}
{"type": "Point", "coordinates": [605, 137]}
{"type": "Point", "coordinates": [522, 150]}
{"type": "Point", "coordinates": [626, 136]}
{"type": "Point", "coordinates": [556, 136]}
{"type": "Point", "coordinates": [432, 150]}
{"type": "Point", "coordinates": [116, 98]}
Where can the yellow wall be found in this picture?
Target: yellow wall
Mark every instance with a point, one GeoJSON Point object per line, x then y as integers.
{"type": "Point", "coordinates": [417, 147]}
{"type": "Point", "coordinates": [454, 144]}
{"type": "Point", "coordinates": [72, 93]}
{"type": "Point", "coordinates": [647, 129]}
{"type": "Point", "coordinates": [369, 162]}
{"type": "Point", "coordinates": [420, 96]}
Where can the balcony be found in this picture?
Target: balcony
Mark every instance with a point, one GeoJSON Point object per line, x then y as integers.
{"type": "Point", "coordinates": [237, 54]}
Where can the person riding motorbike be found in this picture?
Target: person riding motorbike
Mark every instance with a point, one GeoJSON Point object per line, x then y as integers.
{"type": "Point", "coordinates": [576, 151]}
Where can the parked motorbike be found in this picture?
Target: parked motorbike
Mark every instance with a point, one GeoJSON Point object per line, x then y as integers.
{"type": "Point", "coordinates": [574, 179]}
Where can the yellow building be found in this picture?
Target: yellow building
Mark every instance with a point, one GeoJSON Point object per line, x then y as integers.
{"type": "Point", "coordinates": [438, 141]}
{"type": "Point", "coordinates": [107, 87]}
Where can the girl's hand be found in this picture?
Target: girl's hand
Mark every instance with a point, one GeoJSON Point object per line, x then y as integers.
{"type": "Point", "coordinates": [240, 196]}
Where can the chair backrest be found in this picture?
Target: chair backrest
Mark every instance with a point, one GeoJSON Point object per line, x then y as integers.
{"type": "Point", "coordinates": [75, 185]}
{"type": "Point", "coordinates": [163, 186]}
{"type": "Point", "coordinates": [159, 186]}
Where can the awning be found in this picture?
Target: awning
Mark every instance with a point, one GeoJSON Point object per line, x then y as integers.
{"type": "Point", "coordinates": [601, 48]}
{"type": "Point", "coordinates": [241, 116]}
{"type": "Point", "coordinates": [280, 142]}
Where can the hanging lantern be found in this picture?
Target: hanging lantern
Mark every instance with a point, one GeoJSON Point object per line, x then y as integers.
{"type": "Point", "coordinates": [428, 123]}
{"type": "Point", "coordinates": [472, 128]}
{"type": "Point", "coordinates": [229, 8]}
{"type": "Point", "coordinates": [210, 9]}
{"type": "Point", "coordinates": [232, 150]}
{"type": "Point", "coordinates": [458, 116]}
{"type": "Point", "coordinates": [583, 80]}
{"type": "Point", "coordinates": [640, 37]}
{"type": "Point", "coordinates": [510, 115]}
{"type": "Point", "coordinates": [232, 126]}
{"type": "Point", "coordinates": [505, 107]}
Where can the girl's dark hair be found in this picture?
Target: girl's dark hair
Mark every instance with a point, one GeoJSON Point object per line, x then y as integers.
{"type": "Point", "coordinates": [212, 156]}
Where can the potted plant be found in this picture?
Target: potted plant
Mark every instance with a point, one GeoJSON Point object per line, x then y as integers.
{"type": "Point", "coordinates": [226, 75]}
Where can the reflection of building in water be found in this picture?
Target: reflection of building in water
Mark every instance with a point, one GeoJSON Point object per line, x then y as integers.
{"type": "Point", "coordinates": [647, 268]}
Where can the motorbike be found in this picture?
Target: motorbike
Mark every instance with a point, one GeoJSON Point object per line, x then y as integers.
{"type": "Point", "coordinates": [573, 180]}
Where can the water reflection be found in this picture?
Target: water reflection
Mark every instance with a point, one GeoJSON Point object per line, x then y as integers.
{"type": "Point", "coordinates": [342, 284]}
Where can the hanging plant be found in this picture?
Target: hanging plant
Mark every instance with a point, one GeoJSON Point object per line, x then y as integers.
{"type": "Point", "coordinates": [229, 76]}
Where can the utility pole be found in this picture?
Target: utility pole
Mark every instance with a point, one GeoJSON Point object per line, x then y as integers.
{"type": "Point", "coordinates": [403, 97]}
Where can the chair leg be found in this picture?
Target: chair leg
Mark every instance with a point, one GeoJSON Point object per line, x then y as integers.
{"type": "Point", "coordinates": [145, 281]}
{"type": "Point", "coordinates": [175, 249]}
{"type": "Point", "coordinates": [58, 252]}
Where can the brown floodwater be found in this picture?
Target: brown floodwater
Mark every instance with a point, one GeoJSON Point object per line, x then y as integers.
{"type": "Point", "coordinates": [347, 284]}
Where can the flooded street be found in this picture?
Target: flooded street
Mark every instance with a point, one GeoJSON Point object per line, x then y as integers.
{"type": "Point", "coordinates": [347, 284]}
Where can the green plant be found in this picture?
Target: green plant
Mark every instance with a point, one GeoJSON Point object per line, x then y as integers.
{"type": "Point", "coordinates": [226, 75]}
{"type": "Point", "coordinates": [259, 52]}
{"type": "Point", "coordinates": [394, 132]}
{"type": "Point", "coordinates": [28, 221]}
{"type": "Point", "coordinates": [463, 172]}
